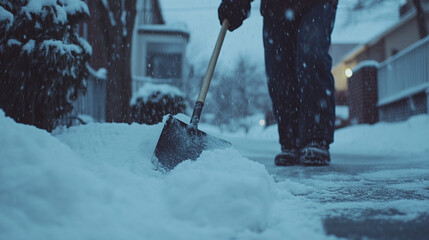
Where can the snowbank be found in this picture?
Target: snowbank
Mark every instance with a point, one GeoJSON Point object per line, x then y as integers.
{"type": "Point", "coordinates": [96, 182]}
{"type": "Point", "coordinates": [409, 138]}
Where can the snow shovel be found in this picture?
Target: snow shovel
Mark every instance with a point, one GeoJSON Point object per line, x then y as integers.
{"type": "Point", "coordinates": [179, 141]}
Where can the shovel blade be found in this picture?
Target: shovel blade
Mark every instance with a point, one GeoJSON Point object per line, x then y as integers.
{"type": "Point", "coordinates": [179, 142]}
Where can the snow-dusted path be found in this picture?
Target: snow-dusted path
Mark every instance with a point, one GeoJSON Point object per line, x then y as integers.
{"type": "Point", "coordinates": [359, 195]}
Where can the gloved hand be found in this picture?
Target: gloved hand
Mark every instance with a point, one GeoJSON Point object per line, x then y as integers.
{"type": "Point", "coordinates": [235, 11]}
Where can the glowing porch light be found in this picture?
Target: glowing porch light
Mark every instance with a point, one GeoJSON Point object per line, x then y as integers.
{"type": "Point", "coordinates": [348, 72]}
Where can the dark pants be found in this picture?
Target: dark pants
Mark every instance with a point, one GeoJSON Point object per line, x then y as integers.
{"type": "Point", "coordinates": [300, 82]}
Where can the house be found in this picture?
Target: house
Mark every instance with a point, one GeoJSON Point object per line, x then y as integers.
{"type": "Point", "coordinates": [401, 79]}
{"type": "Point", "coordinates": [158, 50]}
{"type": "Point", "coordinates": [158, 56]}
{"type": "Point", "coordinates": [387, 44]}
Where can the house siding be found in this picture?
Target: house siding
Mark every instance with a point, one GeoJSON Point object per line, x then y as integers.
{"type": "Point", "coordinates": [402, 37]}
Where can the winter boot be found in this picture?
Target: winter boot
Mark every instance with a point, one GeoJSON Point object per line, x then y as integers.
{"type": "Point", "coordinates": [315, 153]}
{"type": "Point", "coordinates": [288, 157]}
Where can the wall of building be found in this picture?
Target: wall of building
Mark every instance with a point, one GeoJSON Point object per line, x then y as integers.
{"type": "Point", "coordinates": [337, 52]}
{"type": "Point", "coordinates": [148, 12]}
{"type": "Point", "coordinates": [340, 78]}
{"type": "Point", "coordinates": [376, 52]}
{"type": "Point", "coordinates": [402, 37]}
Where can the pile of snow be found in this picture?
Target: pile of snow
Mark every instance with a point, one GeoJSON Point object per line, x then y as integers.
{"type": "Point", "coordinates": [409, 138]}
{"type": "Point", "coordinates": [148, 89]}
{"type": "Point", "coordinates": [97, 182]}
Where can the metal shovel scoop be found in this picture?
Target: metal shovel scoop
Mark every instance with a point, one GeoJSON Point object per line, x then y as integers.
{"type": "Point", "coordinates": [179, 141]}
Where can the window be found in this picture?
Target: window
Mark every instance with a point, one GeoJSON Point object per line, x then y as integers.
{"type": "Point", "coordinates": [163, 61]}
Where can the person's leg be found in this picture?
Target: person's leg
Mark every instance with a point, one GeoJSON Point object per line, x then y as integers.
{"type": "Point", "coordinates": [279, 43]}
{"type": "Point", "coordinates": [316, 82]}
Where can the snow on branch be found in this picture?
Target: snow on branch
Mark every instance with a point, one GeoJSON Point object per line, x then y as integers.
{"type": "Point", "coordinates": [60, 10]}
{"type": "Point", "coordinates": [111, 15]}
{"type": "Point", "coordinates": [45, 8]}
{"type": "Point", "coordinates": [124, 19]}
{"type": "Point", "coordinates": [29, 46]}
{"type": "Point", "coordinates": [6, 18]}
{"type": "Point", "coordinates": [74, 7]}
{"type": "Point", "coordinates": [59, 47]}
{"type": "Point", "coordinates": [13, 42]}
{"type": "Point", "coordinates": [86, 46]}
{"type": "Point", "coordinates": [124, 23]}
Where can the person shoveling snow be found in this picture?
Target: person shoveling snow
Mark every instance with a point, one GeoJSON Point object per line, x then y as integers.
{"type": "Point", "coordinates": [297, 36]}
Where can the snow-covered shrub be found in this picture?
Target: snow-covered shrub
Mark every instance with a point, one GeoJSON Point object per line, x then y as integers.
{"type": "Point", "coordinates": [153, 101]}
{"type": "Point", "coordinates": [43, 60]}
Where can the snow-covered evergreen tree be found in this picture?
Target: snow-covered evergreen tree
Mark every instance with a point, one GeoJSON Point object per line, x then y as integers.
{"type": "Point", "coordinates": [42, 59]}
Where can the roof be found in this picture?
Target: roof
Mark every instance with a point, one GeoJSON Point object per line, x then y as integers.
{"type": "Point", "coordinates": [360, 48]}
{"type": "Point", "coordinates": [176, 29]}
{"type": "Point", "coordinates": [158, 11]}
{"type": "Point", "coordinates": [361, 25]}
{"type": "Point", "coordinates": [412, 14]}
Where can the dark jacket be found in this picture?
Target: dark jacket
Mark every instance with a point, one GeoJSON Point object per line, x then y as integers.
{"type": "Point", "coordinates": [278, 7]}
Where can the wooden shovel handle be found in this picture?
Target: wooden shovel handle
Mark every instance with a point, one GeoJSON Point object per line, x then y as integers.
{"type": "Point", "coordinates": [212, 64]}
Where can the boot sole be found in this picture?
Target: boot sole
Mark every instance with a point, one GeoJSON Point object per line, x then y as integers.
{"type": "Point", "coordinates": [315, 162]}
{"type": "Point", "coordinates": [286, 162]}
{"type": "Point", "coordinates": [315, 157]}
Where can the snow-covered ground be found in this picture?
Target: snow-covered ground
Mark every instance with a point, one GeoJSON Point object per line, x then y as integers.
{"type": "Point", "coordinates": [97, 182]}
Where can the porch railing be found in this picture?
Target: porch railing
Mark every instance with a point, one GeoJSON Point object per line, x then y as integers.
{"type": "Point", "coordinates": [88, 107]}
{"type": "Point", "coordinates": [404, 74]}
{"type": "Point", "coordinates": [93, 103]}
